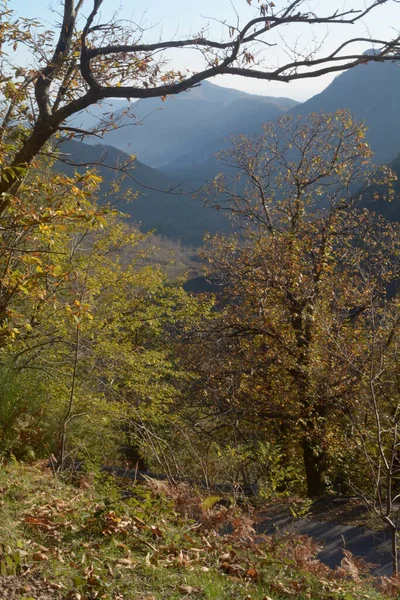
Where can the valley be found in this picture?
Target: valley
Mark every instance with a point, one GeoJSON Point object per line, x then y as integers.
{"type": "Point", "coordinates": [176, 142]}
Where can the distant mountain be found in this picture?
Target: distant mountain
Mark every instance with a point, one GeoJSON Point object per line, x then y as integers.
{"type": "Point", "coordinates": [183, 133]}
{"type": "Point", "coordinates": [371, 92]}
{"type": "Point", "coordinates": [160, 131]}
{"type": "Point", "coordinates": [199, 164]}
{"type": "Point", "coordinates": [172, 214]}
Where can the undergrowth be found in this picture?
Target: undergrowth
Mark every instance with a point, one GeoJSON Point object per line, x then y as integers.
{"type": "Point", "coordinates": [95, 538]}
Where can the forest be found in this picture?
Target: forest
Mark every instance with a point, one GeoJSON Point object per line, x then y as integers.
{"type": "Point", "coordinates": [275, 383]}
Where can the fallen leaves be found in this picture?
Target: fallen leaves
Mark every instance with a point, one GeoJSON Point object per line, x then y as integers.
{"type": "Point", "coordinates": [188, 589]}
{"type": "Point", "coordinates": [52, 517]}
{"type": "Point", "coordinates": [39, 557]}
{"type": "Point", "coordinates": [115, 525]}
{"type": "Point", "coordinates": [234, 566]}
{"type": "Point", "coordinates": [126, 562]}
{"type": "Point", "coordinates": [103, 545]}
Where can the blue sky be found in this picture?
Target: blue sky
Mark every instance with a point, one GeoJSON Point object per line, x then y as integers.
{"type": "Point", "coordinates": [179, 18]}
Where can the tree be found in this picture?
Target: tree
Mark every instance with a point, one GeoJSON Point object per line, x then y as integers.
{"type": "Point", "coordinates": [102, 339]}
{"type": "Point", "coordinates": [371, 356]}
{"type": "Point", "coordinates": [297, 263]}
{"type": "Point", "coordinates": [47, 206]}
{"type": "Point", "coordinates": [91, 61]}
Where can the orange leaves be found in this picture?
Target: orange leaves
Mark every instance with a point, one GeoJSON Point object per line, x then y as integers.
{"type": "Point", "coordinates": [79, 311]}
{"type": "Point", "coordinates": [156, 532]}
{"type": "Point", "coordinates": [52, 518]}
{"type": "Point", "coordinates": [248, 57]}
{"type": "Point", "coordinates": [40, 557]}
{"type": "Point", "coordinates": [114, 525]}
{"type": "Point", "coordinates": [236, 566]}
{"type": "Point", "coordinates": [264, 7]}
{"type": "Point", "coordinates": [40, 523]}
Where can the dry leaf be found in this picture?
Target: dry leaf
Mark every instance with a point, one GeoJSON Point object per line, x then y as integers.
{"type": "Point", "coordinates": [126, 562]}
{"type": "Point", "coordinates": [56, 586]}
{"type": "Point", "coordinates": [252, 573]}
{"type": "Point", "coordinates": [40, 547]}
{"type": "Point", "coordinates": [39, 556]}
{"type": "Point", "coordinates": [225, 557]}
{"type": "Point", "coordinates": [188, 589]}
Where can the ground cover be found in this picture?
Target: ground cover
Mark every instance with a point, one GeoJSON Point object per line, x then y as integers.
{"type": "Point", "coordinates": [97, 538]}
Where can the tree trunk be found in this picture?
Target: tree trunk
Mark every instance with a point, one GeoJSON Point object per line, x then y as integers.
{"type": "Point", "coordinates": [314, 464]}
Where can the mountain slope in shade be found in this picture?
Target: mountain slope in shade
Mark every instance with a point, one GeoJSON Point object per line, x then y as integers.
{"type": "Point", "coordinates": [158, 132]}
{"type": "Point", "coordinates": [369, 91]}
{"type": "Point", "coordinates": [175, 215]}
{"type": "Point", "coordinates": [203, 120]}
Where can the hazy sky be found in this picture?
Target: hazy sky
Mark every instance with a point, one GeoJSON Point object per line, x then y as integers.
{"type": "Point", "coordinates": [179, 18]}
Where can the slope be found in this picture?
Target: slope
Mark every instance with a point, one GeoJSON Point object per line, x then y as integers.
{"type": "Point", "coordinates": [369, 91]}
{"type": "Point", "coordinates": [170, 213]}
{"type": "Point", "coordinates": [158, 132]}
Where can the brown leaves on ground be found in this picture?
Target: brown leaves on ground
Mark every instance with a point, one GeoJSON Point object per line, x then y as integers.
{"type": "Point", "coordinates": [390, 586]}
{"type": "Point", "coordinates": [191, 504]}
{"type": "Point", "coordinates": [114, 524]}
{"type": "Point", "coordinates": [18, 587]}
{"type": "Point", "coordinates": [238, 567]}
{"type": "Point", "coordinates": [52, 517]}
{"type": "Point", "coordinates": [352, 567]}
{"type": "Point", "coordinates": [181, 532]}
{"type": "Point", "coordinates": [189, 589]}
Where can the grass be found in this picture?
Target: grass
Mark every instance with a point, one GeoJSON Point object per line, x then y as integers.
{"type": "Point", "coordinates": [92, 540]}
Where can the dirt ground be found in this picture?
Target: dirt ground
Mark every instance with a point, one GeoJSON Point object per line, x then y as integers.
{"type": "Point", "coordinates": [336, 524]}
{"type": "Point", "coordinates": [13, 588]}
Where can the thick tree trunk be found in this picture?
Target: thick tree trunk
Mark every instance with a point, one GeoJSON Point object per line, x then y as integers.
{"type": "Point", "coordinates": [10, 178]}
{"type": "Point", "coordinates": [314, 464]}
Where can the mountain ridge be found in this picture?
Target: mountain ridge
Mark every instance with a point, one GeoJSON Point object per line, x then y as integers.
{"type": "Point", "coordinates": [369, 91]}
{"type": "Point", "coordinates": [157, 131]}
{"type": "Point", "coordinates": [172, 213]}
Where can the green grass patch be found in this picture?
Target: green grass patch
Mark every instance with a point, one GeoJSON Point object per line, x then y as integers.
{"type": "Point", "coordinates": [91, 540]}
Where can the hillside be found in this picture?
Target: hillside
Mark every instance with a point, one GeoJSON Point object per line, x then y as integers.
{"type": "Point", "coordinates": [174, 214]}
{"type": "Point", "coordinates": [370, 92]}
{"type": "Point", "coordinates": [86, 540]}
{"type": "Point", "coordinates": [160, 131]}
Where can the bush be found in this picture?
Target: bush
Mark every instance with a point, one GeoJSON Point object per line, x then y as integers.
{"type": "Point", "coordinates": [21, 414]}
